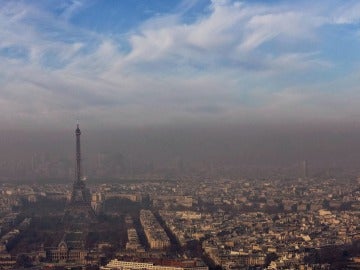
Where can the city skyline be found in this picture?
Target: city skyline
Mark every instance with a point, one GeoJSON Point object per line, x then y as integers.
{"type": "Point", "coordinates": [119, 64]}
{"type": "Point", "coordinates": [197, 152]}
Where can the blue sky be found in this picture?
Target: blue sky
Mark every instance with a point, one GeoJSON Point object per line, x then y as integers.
{"type": "Point", "coordinates": [145, 62]}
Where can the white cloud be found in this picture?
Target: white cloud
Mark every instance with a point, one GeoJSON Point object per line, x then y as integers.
{"type": "Point", "coordinates": [262, 28]}
{"type": "Point", "coordinates": [348, 13]}
{"type": "Point", "coordinates": [213, 68]}
{"type": "Point", "coordinates": [70, 8]}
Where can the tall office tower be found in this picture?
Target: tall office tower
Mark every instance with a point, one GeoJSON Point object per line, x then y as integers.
{"type": "Point", "coordinates": [79, 210]}
{"type": "Point", "coordinates": [305, 169]}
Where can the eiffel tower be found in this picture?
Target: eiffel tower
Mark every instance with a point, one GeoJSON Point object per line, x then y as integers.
{"type": "Point", "coordinates": [79, 212]}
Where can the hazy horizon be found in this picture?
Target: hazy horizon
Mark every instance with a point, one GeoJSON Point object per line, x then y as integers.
{"type": "Point", "coordinates": [183, 150]}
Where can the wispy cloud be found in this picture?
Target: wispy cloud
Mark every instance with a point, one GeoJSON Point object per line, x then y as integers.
{"type": "Point", "coordinates": [234, 60]}
{"type": "Point", "coordinates": [348, 13]}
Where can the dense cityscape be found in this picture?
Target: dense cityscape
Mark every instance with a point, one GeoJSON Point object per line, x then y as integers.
{"type": "Point", "coordinates": [232, 224]}
{"type": "Point", "coordinates": [186, 223]}
{"type": "Point", "coordinates": [303, 223]}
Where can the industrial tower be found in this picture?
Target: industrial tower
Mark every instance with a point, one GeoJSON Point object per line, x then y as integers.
{"type": "Point", "coordinates": [79, 210]}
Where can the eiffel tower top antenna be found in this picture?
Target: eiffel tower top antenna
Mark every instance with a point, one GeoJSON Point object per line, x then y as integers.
{"type": "Point", "coordinates": [78, 172]}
